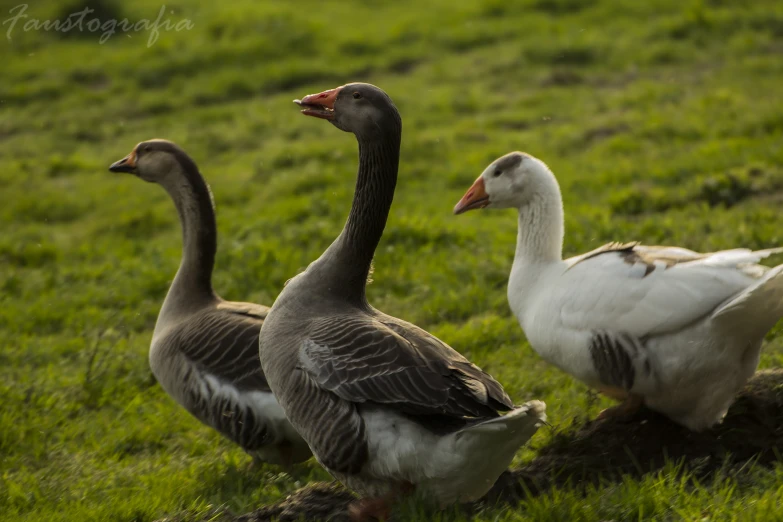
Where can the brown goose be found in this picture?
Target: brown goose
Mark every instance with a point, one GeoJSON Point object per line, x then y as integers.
{"type": "Point", "coordinates": [385, 406]}
{"type": "Point", "coordinates": [204, 350]}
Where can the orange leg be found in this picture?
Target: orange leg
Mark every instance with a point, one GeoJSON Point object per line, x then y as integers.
{"type": "Point", "coordinates": [377, 508]}
{"type": "Point", "coordinates": [370, 508]}
{"type": "Point", "coordinates": [630, 406]}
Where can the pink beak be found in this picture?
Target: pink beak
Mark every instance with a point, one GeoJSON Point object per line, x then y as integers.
{"type": "Point", "coordinates": [319, 105]}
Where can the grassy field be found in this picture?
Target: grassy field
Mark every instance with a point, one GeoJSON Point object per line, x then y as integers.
{"type": "Point", "coordinates": [663, 121]}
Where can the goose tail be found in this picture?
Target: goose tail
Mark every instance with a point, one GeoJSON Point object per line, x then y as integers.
{"type": "Point", "coordinates": [489, 447]}
{"type": "Point", "coordinates": [522, 420]}
{"type": "Point", "coordinates": [755, 310]}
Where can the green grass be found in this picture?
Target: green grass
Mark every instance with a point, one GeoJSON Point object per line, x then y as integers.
{"type": "Point", "coordinates": [663, 121]}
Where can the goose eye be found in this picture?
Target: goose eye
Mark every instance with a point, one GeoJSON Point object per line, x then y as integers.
{"type": "Point", "coordinates": [356, 96]}
{"type": "Point", "coordinates": [497, 173]}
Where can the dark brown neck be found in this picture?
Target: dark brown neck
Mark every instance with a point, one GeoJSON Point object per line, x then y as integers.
{"type": "Point", "coordinates": [347, 261]}
{"type": "Point", "coordinates": [199, 233]}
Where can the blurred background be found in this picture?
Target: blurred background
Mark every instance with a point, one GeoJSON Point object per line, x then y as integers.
{"type": "Point", "coordinates": [662, 120]}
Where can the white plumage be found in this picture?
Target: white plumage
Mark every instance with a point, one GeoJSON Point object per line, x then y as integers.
{"type": "Point", "coordinates": [678, 330]}
{"type": "Point", "coordinates": [458, 467]}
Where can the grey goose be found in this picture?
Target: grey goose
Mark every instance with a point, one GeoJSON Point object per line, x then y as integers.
{"type": "Point", "coordinates": [386, 407]}
{"type": "Point", "coordinates": [676, 330]}
{"type": "Point", "coordinates": [204, 350]}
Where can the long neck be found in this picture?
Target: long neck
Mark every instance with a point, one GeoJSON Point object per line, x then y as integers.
{"type": "Point", "coordinates": [347, 261]}
{"type": "Point", "coordinates": [540, 229]}
{"type": "Point", "coordinates": [199, 236]}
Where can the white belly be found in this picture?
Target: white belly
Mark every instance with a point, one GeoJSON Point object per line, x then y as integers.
{"type": "Point", "coordinates": [404, 453]}
{"type": "Point", "coordinates": [697, 373]}
{"type": "Point", "coordinates": [700, 375]}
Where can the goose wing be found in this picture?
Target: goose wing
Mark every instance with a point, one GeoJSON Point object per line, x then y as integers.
{"type": "Point", "coordinates": [223, 342]}
{"type": "Point", "coordinates": [651, 290]}
{"type": "Point", "coordinates": [382, 360]}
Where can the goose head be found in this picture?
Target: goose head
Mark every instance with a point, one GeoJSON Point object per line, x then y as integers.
{"type": "Point", "coordinates": [155, 161]}
{"type": "Point", "coordinates": [360, 108]}
{"type": "Point", "coordinates": [511, 181]}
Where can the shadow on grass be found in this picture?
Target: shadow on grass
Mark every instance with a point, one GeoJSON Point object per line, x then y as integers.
{"type": "Point", "coordinates": [645, 442]}
{"type": "Point", "coordinates": [602, 451]}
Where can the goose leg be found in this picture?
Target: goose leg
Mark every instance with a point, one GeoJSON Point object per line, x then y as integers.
{"type": "Point", "coordinates": [628, 407]}
{"type": "Point", "coordinates": [378, 508]}
{"type": "Point", "coordinates": [370, 508]}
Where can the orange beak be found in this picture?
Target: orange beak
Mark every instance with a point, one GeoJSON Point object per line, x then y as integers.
{"type": "Point", "coordinates": [475, 197]}
{"type": "Point", "coordinates": [126, 164]}
{"type": "Point", "coordinates": [319, 105]}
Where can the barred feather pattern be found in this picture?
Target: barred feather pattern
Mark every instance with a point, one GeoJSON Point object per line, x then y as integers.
{"type": "Point", "coordinates": [333, 427]}
{"type": "Point", "coordinates": [383, 360]}
{"type": "Point", "coordinates": [209, 364]}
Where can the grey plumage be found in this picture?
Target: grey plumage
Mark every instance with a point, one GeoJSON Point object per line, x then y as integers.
{"type": "Point", "coordinates": [378, 358]}
{"type": "Point", "coordinates": [375, 359]}
{"type": "Point", "coordinates": [373, 395]}
{"type": "Point", "coordinates": [204, 350]}
{"type": "Point", "coordinates": [195, 357]}
{"type": "Point", "coordinates": [615, 357]}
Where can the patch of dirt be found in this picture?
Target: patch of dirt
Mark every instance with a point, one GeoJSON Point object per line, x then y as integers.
{"type": "Point", "coordinates": [602, 451]}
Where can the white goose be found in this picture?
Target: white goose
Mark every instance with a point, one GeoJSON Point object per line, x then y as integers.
{"type": "Point", "coordinates": [677, 330]}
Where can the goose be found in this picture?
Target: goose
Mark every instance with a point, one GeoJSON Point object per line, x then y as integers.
{"type": "Point", "coordinates": [673, 329]}
{"type": "Point", "coordinates": [204, 350]}
{"type": "Point", "coordinates": [387, 408]}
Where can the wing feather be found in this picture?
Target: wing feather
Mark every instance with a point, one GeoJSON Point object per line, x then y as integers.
{"type": "Point", "coordinates": [224, 344]}
{"type": "Point", "coordinates": [381, 360]}
{"type": "Point", "coordinates": [645, 291]}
